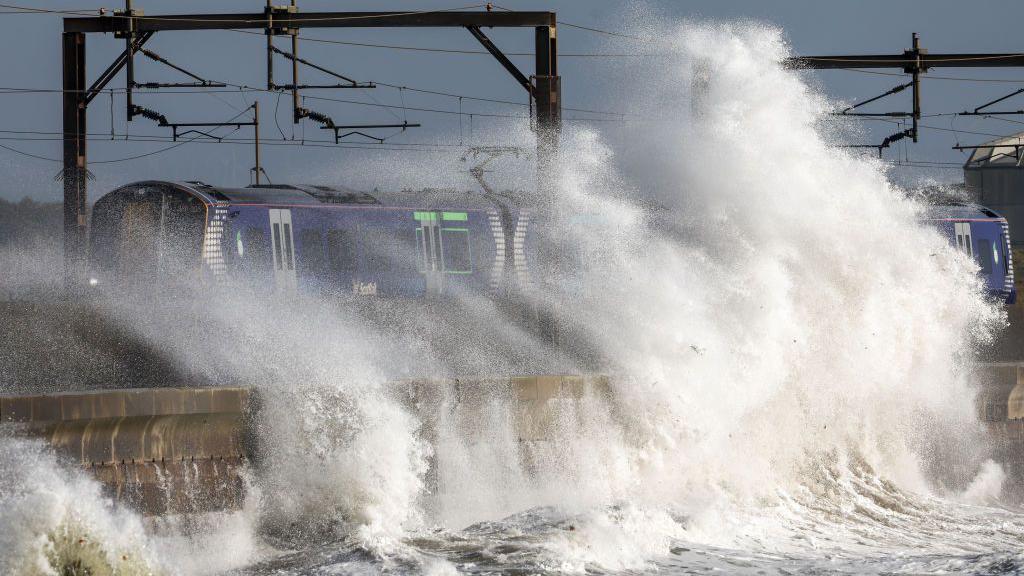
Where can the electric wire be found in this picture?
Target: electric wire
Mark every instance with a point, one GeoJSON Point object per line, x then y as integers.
{"type": "Point", "coordinates": [588, 28]}
{"type": "Point", "coordinates": [449, 50]}
{"type": "Point", "coordinates": [1001, 119]}
{"type": "Point", "coordinates": [172, 147]}
{"type": "Point", "coordinates": [242, 87]}
{"type": "Point", "coordinates": [30, 155]}
{"type": "Point", "coordinates": [439, 148]}
{"type": "Point", "coordinates": [928, 76]}
{"type": "Point", "coordinates": [72, 11]}
{"type": "Point", "coordinates": [44, 136]}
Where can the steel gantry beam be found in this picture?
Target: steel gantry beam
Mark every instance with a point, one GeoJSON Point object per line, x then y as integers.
{"type": "Point", "coordinates": [436, 19]}
{"type": "Point", "coordinates": [926, 61]}
{"type": "Point", "coordinates": [544, 85]}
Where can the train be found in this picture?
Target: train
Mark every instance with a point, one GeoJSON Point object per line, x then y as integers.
{"type": "Point", "coordinates": [335, 240]}
{"type": "Point", "coordinates": [319, 239]}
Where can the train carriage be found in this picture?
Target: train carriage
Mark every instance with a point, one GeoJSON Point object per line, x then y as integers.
{"type": "Point", "coordinates": [310, 238]}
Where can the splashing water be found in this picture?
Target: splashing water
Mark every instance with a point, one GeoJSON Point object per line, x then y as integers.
{"type": "Point", "coordinates": [57, 523]}
{"type": "Point", "coordinates": [789, 351]}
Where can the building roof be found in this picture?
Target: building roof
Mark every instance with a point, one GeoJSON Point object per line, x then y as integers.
{"type": "Point", "coordinates": [1001, 152]}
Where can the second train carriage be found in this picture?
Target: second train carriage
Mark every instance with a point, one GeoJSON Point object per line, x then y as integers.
{"type": "Point", "coordinates": [984, 236]}
{"type": "Point", "coordinates": [310, 238]}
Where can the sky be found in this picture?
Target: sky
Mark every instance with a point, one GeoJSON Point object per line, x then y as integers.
{"type": "Point", "coordinates": [30, 45]}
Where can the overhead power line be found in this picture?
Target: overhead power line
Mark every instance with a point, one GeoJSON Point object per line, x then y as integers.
{"type": "Point", "coordinates": [30, 155]}
{"type": "Point", "coordinates": [72, 12]}
{"type": "Point", "coordinates": [439, 147]}
{"type": "Point", "coordinates": [590, 29]}
{"type": "Point", "coordinates": [605, 32]}
{"type": "Point", "coordinates": [933, 77]}
{"type": "Point", "coordinates": [453, 50]}
{"type": "Point", "coordinates": [244, 88]}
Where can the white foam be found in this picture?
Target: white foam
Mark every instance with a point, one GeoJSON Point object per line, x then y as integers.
{"type": "Point", "coordinates": [55, 520]}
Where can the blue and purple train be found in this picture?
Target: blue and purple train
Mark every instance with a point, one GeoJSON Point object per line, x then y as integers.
{"type": "Point", "coordinates": [311, 238]}
{"type": "Point", "coordinates": [334, 240]}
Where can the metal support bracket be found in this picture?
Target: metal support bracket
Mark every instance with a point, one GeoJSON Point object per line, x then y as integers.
{"type": "Point", "coordinates": [978, 110]}
{"type": "Point", "coordinates": [1016, 149]}
{"type": "Point", "coordinates": [161, 120]}
{"type": "Point", "coordinates": [350, 83]}
{"type": "Point", "coordinates": [909, 133]}
{"type": "Point", "coordinates": [355, 130]}
{"type": "Point", "coordinates": [847, 111]}
{"type": "Point", "coordinates": [114, 68]}
{"type": "Point", "coordinates": [501, 58]}
{"type": "Point", "coordinates": [199, 83]}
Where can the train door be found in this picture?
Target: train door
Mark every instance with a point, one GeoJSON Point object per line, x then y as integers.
{"type": "Point", "coordinates": [431, 252]}
{"type": "Point", "coordinates": [283, 250]}
{"type": "Point", "coordinates": [963, 237]}
{"type": "Point", "coordinates": [138, 247]}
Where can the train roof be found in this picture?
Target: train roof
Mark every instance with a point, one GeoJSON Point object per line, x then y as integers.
{"type": "Point", "coordinates": [960, 211]}
{"type": "Point", "coordinates": [281, 194]}
{"type": "Point", "coordinates": [314, 195]}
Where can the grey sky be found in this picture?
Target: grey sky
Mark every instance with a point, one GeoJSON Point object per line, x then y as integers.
{"type": "Point", "coordinates": [30, 46]}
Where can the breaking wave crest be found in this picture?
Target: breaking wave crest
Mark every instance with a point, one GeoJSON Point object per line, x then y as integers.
{"type": "Point", "coordinates": [56, 522]}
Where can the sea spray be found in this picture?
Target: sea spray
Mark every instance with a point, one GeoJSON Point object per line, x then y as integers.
{"type": "Point", "coordinates": [782, 304]}
{"type": "Point", "coordinates": [338, 456]}
{"type": "Point", "coordinates": [55, 521]}
{"type": "Point", "coordinates": [788, 348]}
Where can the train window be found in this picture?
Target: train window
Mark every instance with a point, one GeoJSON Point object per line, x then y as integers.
{"type": "Point", "coordinates": [1002, 252]}
{"type": "Point", "coordinates": [385, 250]}
{"type": "Point", "coordinates": [311, 252]}
{"type": "Point", "coordinates": [963, 237]}
{"type": "Point", "coordinates": [288, 251]}
{"type": "Point", "coordinates": [421, 251]}
{"type": "Point", "coordinates": [458, 258]}
{"type": "Point", "coordinates": [277, 245]}
{"type": "Point", "coordinates": [985, 255]}
{"type": "Point", "coordinates": [341, 252]}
